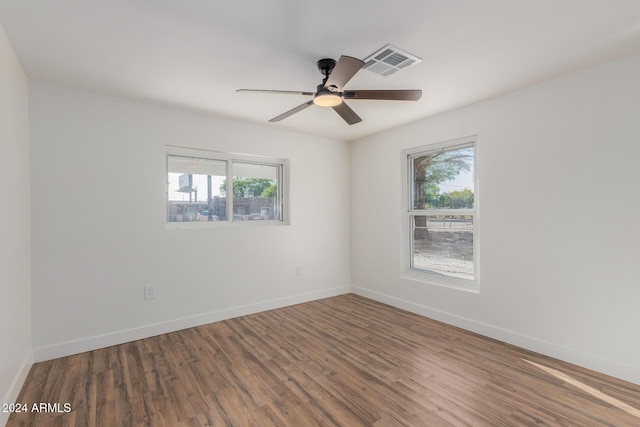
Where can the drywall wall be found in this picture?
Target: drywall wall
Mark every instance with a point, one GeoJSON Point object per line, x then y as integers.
{"type": "Point", "coordinates": [15, 234]}
{"type": "Point", "coordinates": [559, 240]}
{"type": "Point", "coordinates": [99, 223]}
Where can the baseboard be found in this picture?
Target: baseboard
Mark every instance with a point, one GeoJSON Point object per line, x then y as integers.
{"type": "Point", "coordinates": [16, 386]}
{"type": "Point", "coordinates": [596, 363]}
{"type": "Point", "coordinates": [123, 336]}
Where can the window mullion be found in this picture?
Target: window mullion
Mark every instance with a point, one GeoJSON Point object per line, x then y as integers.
{"type": "Point", "coordinates": [280, 204]}
{"type": "Point", "coordinates": [229, 190]}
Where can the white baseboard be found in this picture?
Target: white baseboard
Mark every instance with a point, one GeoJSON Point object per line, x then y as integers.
{"type": "Point", "coordinates": [123, 336]}
{"type": "Point", "coordinates": [596, 363]}
{"type": "Point", "coordinates": [16, 386]}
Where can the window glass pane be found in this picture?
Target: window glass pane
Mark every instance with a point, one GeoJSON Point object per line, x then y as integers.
{"type": "Point", "coordinates": [194, 189]}
{"type": "Point", "coordinates": [443, 244]}
{"type": "Point", "coordinates": [256, 192]}
{"type": "Point", "coordinates": [443, 179]}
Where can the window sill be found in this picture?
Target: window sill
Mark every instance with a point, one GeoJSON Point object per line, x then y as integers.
{"type": "Point", "coordinates": [442, 280]}
{"type": "Point", "coordinates": [203, 225]}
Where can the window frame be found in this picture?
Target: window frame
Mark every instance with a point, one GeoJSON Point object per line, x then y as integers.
{"type": "Point", "coordinates": [282, 173]}
{"type": "Point", "coordinates": [409, 213]}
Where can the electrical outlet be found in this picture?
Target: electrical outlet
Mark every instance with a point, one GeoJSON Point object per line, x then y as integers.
{"type": "Point", "coordinates": [298, 271]}
{"type": "Point", "coordinates": [149, 291]}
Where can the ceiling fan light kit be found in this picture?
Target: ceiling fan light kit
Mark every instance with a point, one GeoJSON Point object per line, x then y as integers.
{"type": "Point", "coordinates": [331, 93]}
{"type": "Point", "coordinates": [327, 99]}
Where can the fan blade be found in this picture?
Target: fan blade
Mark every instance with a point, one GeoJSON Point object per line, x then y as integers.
{"type": "Point", "coordinates": [347, 113]}
{"type": "Point", "coordinates": [345, 69]}
{"type": "Point", "coordinates": [292, 111]}
{"type": "Point", "coordinates": [283, 92]}
{"type": "Point", "coordinates": [384, 95]}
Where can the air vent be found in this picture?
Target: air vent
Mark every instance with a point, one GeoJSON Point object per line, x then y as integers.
{"type": "Point", "coordinates": [388, 60]}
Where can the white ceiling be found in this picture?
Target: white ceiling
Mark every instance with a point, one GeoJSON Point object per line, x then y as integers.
{"type": "Point", "coordinates": [194, 54]}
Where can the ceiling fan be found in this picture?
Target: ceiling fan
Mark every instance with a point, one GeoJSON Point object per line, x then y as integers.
{"type": "Point", "coordinates": [331, 92]}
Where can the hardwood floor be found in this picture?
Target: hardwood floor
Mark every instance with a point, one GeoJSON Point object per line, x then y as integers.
{"type": "Point", "coordinates": [344, 361]}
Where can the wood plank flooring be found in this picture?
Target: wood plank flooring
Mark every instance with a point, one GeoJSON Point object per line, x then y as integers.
{"type": "Point", "coordinates": [342, 361]}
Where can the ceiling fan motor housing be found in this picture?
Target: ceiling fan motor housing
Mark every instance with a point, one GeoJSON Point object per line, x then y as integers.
{"type": "Point", "coordinates": [327, 96]}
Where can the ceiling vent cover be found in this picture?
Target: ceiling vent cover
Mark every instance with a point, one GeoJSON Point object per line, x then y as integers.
{"type": "Point", "coordinates": [388, 60]}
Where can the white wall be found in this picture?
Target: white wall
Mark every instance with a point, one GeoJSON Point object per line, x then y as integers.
{"type": "Point", "coordinates": [15, 233]}
{"type": "Point", "coordinates": [558, 218]}
{"type": "Point", "coordinates": [99, 233]}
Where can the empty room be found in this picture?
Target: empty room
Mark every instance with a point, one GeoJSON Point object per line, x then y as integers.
{"type": "Point", "coordinates": [338, 213]}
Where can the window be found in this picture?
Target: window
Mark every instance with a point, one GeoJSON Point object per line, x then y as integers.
{"type": "Point", "coordinates": [215, 187]}
{"type": "Point", "coordinates": [255, 191]}
{"type": "Point", "coordinates": [441, 213]}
